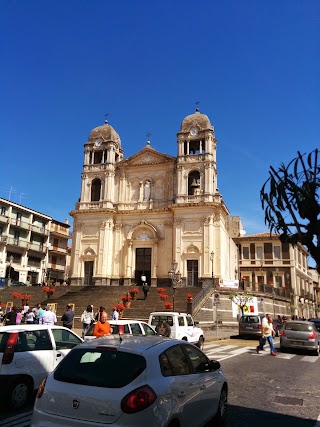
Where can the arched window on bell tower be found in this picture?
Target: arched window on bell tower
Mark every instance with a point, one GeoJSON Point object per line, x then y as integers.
{"type": "Point", "coordinates": [194, 183]}
{"type": "Point", "coordinates": [95, 190]}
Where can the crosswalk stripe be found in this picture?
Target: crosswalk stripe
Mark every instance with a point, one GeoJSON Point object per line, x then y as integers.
{"type": "Point", "coordinates": [311, 359]}
{"type": "Point", "coordinates": [222, 352]}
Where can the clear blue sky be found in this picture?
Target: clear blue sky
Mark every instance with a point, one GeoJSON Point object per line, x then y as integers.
{"type": "Point", "coordinates": [254, 67]}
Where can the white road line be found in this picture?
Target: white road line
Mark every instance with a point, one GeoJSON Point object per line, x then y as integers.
{"type": "Point", "coordinates": [285, 356]}
{"type": "Point", "coordinates": [228, 347]}
{"type": "Point", "coordinates": [311, 359]}
{"type": "Point", "coordinates": [211, 346]}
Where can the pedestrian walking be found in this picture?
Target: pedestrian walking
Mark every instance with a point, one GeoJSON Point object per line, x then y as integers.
{"type": "Point", "coordinates": [87, 318]}
{"type": "Point", "coordinates": [262, 339]}
{"type": "Point", "coordinates": [115, 314]}
{"type": "Point", "coordinates": [38, 311]}
{"type": "Point", "coordinates": [29, 317]}
{"type": "Point", "coordinates": [98, 313]}
{"type": "Point", "coordinates": [48, 317]}
{"type": "Point", "coordinates": [67, 317]}
{"type": "Point", "coordinates": [269, 333]}
{"type": "Point", "coordinates": [145, 288]}
{"type": "Point", "coordinates": [11, 317]}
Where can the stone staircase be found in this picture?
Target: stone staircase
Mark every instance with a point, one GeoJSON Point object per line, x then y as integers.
{"type": "Point", "coordinates": [101, 296]}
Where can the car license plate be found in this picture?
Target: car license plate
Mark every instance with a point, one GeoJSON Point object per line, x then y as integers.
{"type": "Point", "coordinates": [249, 327]}
{"type": "Point", "coordinates": [296, 342]}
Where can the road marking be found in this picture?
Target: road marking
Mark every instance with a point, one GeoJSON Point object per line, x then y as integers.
{"type": "Point", "coordinates": [311, 359]}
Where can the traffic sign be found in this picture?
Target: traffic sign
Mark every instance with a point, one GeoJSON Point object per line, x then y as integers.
{"type": "Point", "coordinates": [216, 297]}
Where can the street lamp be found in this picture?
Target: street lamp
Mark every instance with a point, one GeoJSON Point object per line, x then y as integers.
{"type": "Point", "coordinates": [175, 277]}
{"type": "Point", "coordinates": [212, 259]}
{"type": "Point", "coordinates": [10, 264]}
{"type": "Point", "coordinates": [273, 295]}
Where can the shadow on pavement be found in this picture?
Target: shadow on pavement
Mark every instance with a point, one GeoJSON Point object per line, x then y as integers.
{"type": "Point", "coordinates": [249, 417]}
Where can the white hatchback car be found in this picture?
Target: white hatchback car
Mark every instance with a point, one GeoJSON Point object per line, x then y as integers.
{"type": "Point", "coordinates": [133, 381]}
{"type": "Point", "coordinates": [27, 354]}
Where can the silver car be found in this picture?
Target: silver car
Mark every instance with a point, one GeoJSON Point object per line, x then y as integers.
{"type": "Point", "coordinates": [299, 334]}
{"type": "Point", "coordinates": [131, 380]}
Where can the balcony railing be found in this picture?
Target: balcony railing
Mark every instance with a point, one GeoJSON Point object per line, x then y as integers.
{"type": "Point", "coordinates": [39, 230]}
{"type": "Point", "coordinates": [39, 247]}
{"type": "Point", "coordinates": [17, 242]}
{"type": "Point", "coordinates": [19, 223]}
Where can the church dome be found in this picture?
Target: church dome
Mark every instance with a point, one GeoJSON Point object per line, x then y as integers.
{"type": "Point", "coordinates": [198, 120]}
{"type": "Point", "coordinates": [106, 133]}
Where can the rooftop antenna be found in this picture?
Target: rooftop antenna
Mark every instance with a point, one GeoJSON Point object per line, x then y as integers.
{"type": "Point", "coordinates": [12, 190]}
{"type": "Point", "coordinates": [22, 196]}
{"type": "Point", "coordinates": [197, 105]}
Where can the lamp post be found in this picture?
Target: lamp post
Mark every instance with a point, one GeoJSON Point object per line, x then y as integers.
{"type": "Point", "coordinates": [175, 277]}
{"type": "Point", "coordinates": [212, 259]}
{"type": "Point", "coordinates": [10, 264]}
{"type": "Point", "coordinates": [273, 295]}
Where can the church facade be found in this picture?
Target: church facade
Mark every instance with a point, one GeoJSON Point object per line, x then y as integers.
{"type": "Point", "coordinates": [137, 216]}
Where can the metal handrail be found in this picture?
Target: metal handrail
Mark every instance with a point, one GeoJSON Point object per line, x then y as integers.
{"type": "Point", "coordinates": [201, 298]}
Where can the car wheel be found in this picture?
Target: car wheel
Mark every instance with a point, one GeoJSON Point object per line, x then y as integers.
{"type": "Point", "coordinates": [222, 408]}
{"type": "Point", "coordinates": [20, 393]}
{"type": "Point", "coordinates": [200, 343]}
{"type": "Point", "coordinates": [283, 349]}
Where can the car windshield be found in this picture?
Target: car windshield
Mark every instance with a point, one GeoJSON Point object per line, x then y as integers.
{"type": "Point", "coordinates": [304, 327]}
{"type": "Point", "coordinates": [100, 367]}
{"type": "Point", "coordinates": [249, 319]}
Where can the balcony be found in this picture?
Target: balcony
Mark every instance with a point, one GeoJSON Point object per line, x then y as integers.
{"type": "Point", "coordinates": [20, 242]}
{"type": "Point", "coordinates": [38, 247]}
{"type": "Point", "coordinates": [39, 230]}
{"type": "Point", "coordinates": [19, 223]}
{"type": "Point", "coordinates": [3, 240]}
{"type": "Point", "coordinates": [4, 219]}
{"type": "Point", "coordinates": [59, 250]}
{"type": "Point", "coordinates": [34, 264]}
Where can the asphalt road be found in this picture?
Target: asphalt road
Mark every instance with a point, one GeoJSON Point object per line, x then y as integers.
{"type": "Point", "coordinates": [264, 391]}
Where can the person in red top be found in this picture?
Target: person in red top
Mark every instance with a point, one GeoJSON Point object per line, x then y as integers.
{"type": "Point", "coordinates": [102, 327]}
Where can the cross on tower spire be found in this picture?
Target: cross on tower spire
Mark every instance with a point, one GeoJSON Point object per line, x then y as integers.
{"type": "Point", "coordinates": [106, 118]}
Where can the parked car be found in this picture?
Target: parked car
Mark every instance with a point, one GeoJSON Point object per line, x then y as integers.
{"type": "Point", "coordinates": [19, 284]}
{"type": "Point", "coordinates": [121, 326]}
{"type": "Point", "coordinates": [277, 325]}
{"type": "Point", "coordinates": [133, 381]}
{"type": "Point", "coordinates": [180, 326]}
{"type": "Point", "coordinates": [250, 326]}
{"type": "Point", "coordinates": [316, 322]}
{"type": "Point", "coordinates": [300, 334]}
{"type": "Point", "coordinates": [27, 354]}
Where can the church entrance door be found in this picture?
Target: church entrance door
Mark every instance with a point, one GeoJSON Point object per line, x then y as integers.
{"type": "Point", "coordinates": [88, 273]}
{"type": "Point", "coordinates": [143, 265]}
{"type": "Point", "coordinates": [192, 271]}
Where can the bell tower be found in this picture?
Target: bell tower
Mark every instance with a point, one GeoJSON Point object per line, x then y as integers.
{"type": "Point", "coordinates": [196, 161]}
{"type": "Point", "coordinates": [101, 153]}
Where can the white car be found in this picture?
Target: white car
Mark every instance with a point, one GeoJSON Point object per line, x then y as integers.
{"type": "Point", "coordinates": [133, 381]}
{"type": "Point", "coordinates": [122, 326]}
{"type": "Point", "coordinates": [27, 354]}
{"type": "Point", "coordinates": [176, 325]}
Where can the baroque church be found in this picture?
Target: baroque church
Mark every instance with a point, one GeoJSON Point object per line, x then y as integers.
{"type": "Point", "coordinates": [141, 215]}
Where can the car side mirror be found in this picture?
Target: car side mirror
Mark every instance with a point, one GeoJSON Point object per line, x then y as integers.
{"type": "Point", "coordinates": [214, 365]}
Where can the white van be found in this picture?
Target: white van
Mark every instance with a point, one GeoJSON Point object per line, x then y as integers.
{"type": "Point", "coordinates": [177, 325]}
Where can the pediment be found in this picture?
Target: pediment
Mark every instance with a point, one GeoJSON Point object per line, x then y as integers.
{"type": "Point", "coordinates": [147, 156]}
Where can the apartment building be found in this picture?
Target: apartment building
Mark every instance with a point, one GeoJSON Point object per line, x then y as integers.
{"type": "Point", "coordinates": [279, 270]}
{"type": "Point", "coordinates": [32, 245]}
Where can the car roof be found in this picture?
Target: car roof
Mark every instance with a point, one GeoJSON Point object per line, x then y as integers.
{"type": "Point", "coordinates": [170, 313]}
{"type": "Point", "coordinates": [125, 322]}
{"type": "Point", "coordinates": [134, 343]}
{"type": "Point", "coordinates": [305, 322]}
{"type": "Point", "coordinates": [26, 327]}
